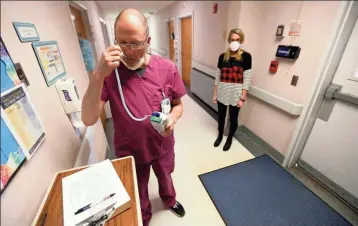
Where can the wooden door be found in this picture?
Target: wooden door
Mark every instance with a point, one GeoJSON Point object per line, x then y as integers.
{"type": "Point", "coordinates": [186, 48]}
{"type": "Point", "coordinates": [81, 33]}
{"type": "Point", "coordinates": [171, 40]}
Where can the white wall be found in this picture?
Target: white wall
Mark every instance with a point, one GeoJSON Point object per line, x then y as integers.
{"type": "Point", "coordinates": [209, 41]}
{"type": "Point", "coordinates": [272, 125]}
{"type": "Point", "coordinates": [259, 21]}
{"type": "Point", "coordinates": [234, 8]}
{"type": "Point", "coordinates": [158, 29]}
{"type": "Point", "coordinates": [22, 197]}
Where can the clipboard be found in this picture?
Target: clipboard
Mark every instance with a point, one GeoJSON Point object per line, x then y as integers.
{"type": "Point", "coordinates": [87, 187]}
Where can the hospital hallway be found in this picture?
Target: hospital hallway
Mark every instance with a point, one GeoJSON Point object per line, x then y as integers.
{"type": "Point", "coordinates": [71, 70]}
{"type": "Point", "coordinates": [195, 154]}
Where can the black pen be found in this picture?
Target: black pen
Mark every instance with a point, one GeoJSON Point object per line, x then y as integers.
{"type": "Point", "coordinates": [91, 205]}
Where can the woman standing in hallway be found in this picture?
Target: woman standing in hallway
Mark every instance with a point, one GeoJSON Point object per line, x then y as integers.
{"type": "Point", "coordinates": [231, 84]}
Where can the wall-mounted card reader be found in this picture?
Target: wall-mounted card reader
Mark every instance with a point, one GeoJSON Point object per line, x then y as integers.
{"type": "Point", "coordinates": [290, 52]}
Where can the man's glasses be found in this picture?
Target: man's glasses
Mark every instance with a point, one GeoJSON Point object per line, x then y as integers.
{"type": "Point", "coordinates": [133, 45]}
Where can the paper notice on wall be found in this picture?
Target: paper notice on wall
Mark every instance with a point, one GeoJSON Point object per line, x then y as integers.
{"type": "Point", "coordinates": [50, 59]}
{"type": "Point", "coordinates": [21, 118]}
{"type": "Point", "coordinates": [295, 28]}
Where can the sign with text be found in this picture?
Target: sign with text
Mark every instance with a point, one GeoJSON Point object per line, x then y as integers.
{"type": "Point", "coordinates": [20, 117]}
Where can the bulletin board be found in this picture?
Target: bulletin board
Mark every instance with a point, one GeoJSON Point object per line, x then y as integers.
{"type": "Point", "coordinates": [12, 156]}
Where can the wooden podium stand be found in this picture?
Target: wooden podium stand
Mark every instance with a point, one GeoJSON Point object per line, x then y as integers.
{"type": "Point", "coordinates": [50, 212]}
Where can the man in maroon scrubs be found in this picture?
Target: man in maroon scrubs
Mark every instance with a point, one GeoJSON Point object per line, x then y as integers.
{"type": "Point", "coordinates": [143, 88]}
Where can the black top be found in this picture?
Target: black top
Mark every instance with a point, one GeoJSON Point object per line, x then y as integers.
{"type": "Point", "coordinates": [140, 71]}
{"type": "Point", "coordinates": [245, 62]}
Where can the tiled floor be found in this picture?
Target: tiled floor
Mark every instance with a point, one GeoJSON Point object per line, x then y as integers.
{"type": "Point", "coordinates": [195, 154]}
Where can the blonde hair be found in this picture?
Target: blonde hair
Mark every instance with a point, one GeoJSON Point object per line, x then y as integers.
{"type": "Point", "coordinates": [242, 39]}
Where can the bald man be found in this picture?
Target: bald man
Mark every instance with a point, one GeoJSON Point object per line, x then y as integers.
{"type": "Point", "coordinates": [146, 81]}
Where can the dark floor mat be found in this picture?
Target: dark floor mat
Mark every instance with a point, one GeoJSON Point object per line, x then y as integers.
{"type": "Point", "coordinates": [259, 192]}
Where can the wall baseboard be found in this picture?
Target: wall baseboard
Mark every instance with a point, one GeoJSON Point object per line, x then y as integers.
{"type": "Point", "coordinates": [256, 145]}
{"type": "Point", "coordinates": [331, 186]}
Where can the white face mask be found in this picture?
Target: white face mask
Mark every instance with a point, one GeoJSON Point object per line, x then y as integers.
{"type": "Point", "coordinates": [234, 46]}
{"type": "Point", "coordinates": [135, 67]}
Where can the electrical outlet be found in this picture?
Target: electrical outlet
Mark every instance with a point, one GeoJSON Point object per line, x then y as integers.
{"type": "Point", "coordinates": [294, 80]}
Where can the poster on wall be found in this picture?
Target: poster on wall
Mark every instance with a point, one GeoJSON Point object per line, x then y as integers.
{"type": "Point", "coordinates": [8, 74]}
{"type": "Point", "coordinates": [50, 60]}
{"type": "Point", "coordinates": [22, 120]}
{"type": "Point", "coordinates": [12, 156]}
{"type": "Point", "coordinates": [87, 54]}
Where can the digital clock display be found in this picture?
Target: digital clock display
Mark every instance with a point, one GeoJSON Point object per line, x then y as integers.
{"type": "Point", "coordinates": [291, 52]}
{"type": "Point", "coordinates": [283, 51]}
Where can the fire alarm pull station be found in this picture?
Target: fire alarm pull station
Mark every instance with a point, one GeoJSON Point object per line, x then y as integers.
{"type": "Point", "coordinates": [274, 66]}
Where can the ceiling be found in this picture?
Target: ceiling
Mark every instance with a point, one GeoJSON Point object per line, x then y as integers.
{"type": "Point", "coordinates": [112, 8]}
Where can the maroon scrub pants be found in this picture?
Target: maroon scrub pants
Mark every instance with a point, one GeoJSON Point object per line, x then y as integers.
{"type": "Point", "coordinates": [162, 167]}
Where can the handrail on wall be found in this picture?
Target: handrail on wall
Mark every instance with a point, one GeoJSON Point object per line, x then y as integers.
{"type": "Point", "coordinates": [267, 97]}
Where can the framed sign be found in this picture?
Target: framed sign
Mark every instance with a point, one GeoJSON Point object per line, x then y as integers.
{"type": "Point", "coordinates": [21, 118]}
{"type": "Point", "coordinates": [49, 57]}
{"type": "Point", "coordinates": [26, 32]}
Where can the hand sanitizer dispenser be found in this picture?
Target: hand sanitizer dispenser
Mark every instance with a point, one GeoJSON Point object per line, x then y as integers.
{"type": "Point", "coordinates": [67, 91]}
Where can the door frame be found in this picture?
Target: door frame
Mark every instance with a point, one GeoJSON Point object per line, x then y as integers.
{"type": "Point", "coordinates": [175, 38]}
{"type": "Point", "coordinates": [179, 18]}
{"type": "Point", "coordinates": [341, 32]}
{"type": "Point", "coordinates": [105, 32]}
{"type": "Point", "coordinates": [86, 21]}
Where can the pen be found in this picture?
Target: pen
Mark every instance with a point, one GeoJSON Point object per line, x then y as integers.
{"type": "Point", "coordinates": [91, 205]}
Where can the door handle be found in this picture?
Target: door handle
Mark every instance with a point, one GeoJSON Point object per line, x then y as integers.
{"type": "Point", "coordinates": [332, 94]}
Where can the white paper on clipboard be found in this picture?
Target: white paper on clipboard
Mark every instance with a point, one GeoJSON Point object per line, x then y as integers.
{"type": "Point", "coordinates": [90, 186]}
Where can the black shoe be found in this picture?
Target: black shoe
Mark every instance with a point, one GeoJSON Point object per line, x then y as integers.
{"type": "Point", "coordinates": [178, 209]}
{"type": "Point", "coordinates": [218, 141]}
{"type": "Point", "coordinates": [227, 144]}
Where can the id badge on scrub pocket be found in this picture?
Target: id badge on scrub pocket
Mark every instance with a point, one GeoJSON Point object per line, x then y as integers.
{"type": "Point", "coordinates": [165, 105]}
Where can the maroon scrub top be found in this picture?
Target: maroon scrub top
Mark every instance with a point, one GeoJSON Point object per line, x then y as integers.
{"type": "Point", "coordinates": [143, 95]}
